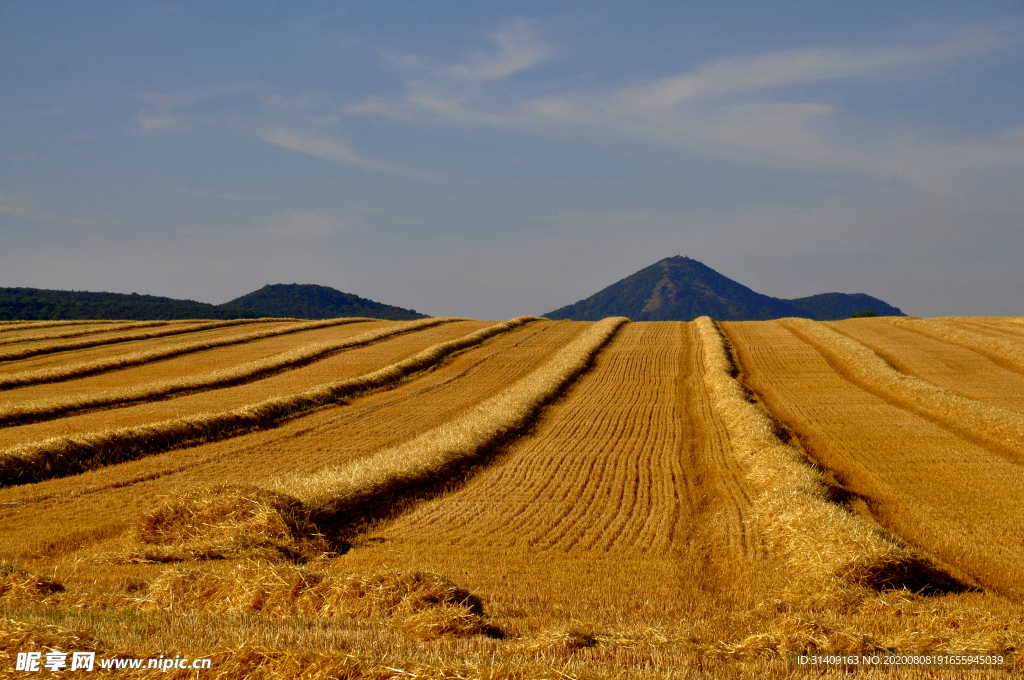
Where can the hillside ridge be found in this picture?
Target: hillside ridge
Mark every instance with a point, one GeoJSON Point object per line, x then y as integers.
{"type": "Point", "coordinates": [301, 301]}
{"type": "Point", "coordinates": [681, 289]}
{"type": "Point", "coordinates": [310, 301]}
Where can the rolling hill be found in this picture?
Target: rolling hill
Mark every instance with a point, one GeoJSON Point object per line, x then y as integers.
{"type": "Point", "coordinates": [680, 289]}
{"type": "Point", "coordinates": [279, 300]}
{"type": "Point", "coordinates": [35, 304]}
{"type": "Point", "coordinates": [308, 301]}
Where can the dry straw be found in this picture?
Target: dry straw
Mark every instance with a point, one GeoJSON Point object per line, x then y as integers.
{"type": "Point", "coordinates": [26, 352]}
{"type": "Point", "coordinates": [69, 371]}
{"type": "Point", "coordinates": [16, 583]}
{"type": "Point", "coordinates": [819, 539]}
{"type": "Point", "coordinates": [62, 456]}
{"type": "Point", "coordinates": [226, 521]}
{"type": "Point", "coordinates": [45, 409]}
{"type": "Point", "coordinates": [338, 490]}
{"type": "Point", "coordinates": [246, 661]}
{"type": "Point", "coordinates": [416, 603]}
{"type": "Point", "coordinates": [994, 348]}
{"type": "Point", "coordinates": [1001, 429]}
{"type": "Point", "coordinates": [88, 331]}
{"type": "Point", "coordinates": [25, 325]}
{"type": "Point", "coordinates": [242, 521]}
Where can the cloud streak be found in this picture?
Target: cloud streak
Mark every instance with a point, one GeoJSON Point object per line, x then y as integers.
{"type": "Point", "coordinates": [517, 48]}
{"type": "Point", "coordinates": [16, 206]}
{"type": "Point", "coordinates": [732, 108]}
{"type": "Point", "coordinates": [332, 150]}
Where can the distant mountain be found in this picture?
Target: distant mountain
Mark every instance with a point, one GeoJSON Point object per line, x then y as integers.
{"type": "Point", "coordinates": [681, 289]}
{"type": "Point", "coordinates": [826, 306]}
{"type": "Point", "coordinates": [281, 300]}
{"type": "Point", "coordinates": [38, 304]}
{"type": "Point", "coordinates": [308, 301]}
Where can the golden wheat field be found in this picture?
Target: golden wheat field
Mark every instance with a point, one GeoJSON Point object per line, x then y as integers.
{"type": "Point", "coordinates": [451, 498]}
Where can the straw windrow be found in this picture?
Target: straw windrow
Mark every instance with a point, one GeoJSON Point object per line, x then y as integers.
{"type": "Point", "coordinates": [67, 372]}
{"type": "Point", "coordinates": [335, 492]}
{"type": "Point", "coordinates": [46, 409]}
{"type": "Point", "coordinates": [821, 540]}
{"type": "Point", "coordinates": [420, 604]}
{"type": "Point", "coordinates": [1002, 351]}
{"type": "Point", "coordinates": [25, 325]}
{"type": "Point", "coordinates": [27, 352]}
{"type": "Point", "coordinates": [62, 456]}
{"type": "Point", "coordinates": [341, 498]}
{"type": "Point", "coordinates": [88, 331]}
{"type": "Point", "coordinates": [1001, 430]}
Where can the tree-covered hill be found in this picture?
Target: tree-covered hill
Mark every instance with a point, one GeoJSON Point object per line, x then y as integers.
{"type": "Point", "coordinates": [39, 304]}
{"type": "Point", "coordinates": [826, 306]}
{"type": "Point", "coordinates": [681, 289]}
{"type": "Point", "coordinates": [281, 300]}
{"type": "Point", "coordinates": [308, 301]}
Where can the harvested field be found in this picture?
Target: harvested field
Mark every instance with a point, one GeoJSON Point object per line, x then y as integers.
{"type": "Point", "coordinates": [30, 349]}
{"type": "Point", "coordinates": [9, 337]}
{"type": "Point", "coordinates": [53, 401]}
{"type": "Point", "coordinates": [21, 325]}
{"type": "Point", "coordinates": [935, 485]}
{"type": "Point", "coordinates": [466, 499]}
{"type": "Point", "coordinates": [89, 363]}
{"type": "Point", "coordinates": [942, 362]}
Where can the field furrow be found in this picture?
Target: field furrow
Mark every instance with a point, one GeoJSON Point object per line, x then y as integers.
{"type": "Point", "coordinates": [330, 436]}
{"type": "Point", "coordinates": [943, 363]}
{"type": "Point", "coordinates": [946, 494]}
{"type": "Point", "coordinates": [210, 415]}
{"type": "Point", "coordinates": [612, 467]}
{"type": "Point", "coordinates": [108, 352]}
{"type": "Point", "coordinates": [143, 352]}
{"type": "Point", "coordinates": [22, 325]}
{"type": "Point", "coordinates": [343, 366]}
{"type": "Point", "coordinates": [13, 410]}
{"type": "Point", "coordinates": [996, 428]}
{"type": "Point", "coordinates": [531, 498]}
{"type": "Point", "coordinates": [1005, 349]}
{"type": "Point", "coordinates": [27, 350]}
{"type": "Point", "coordinates": [186, 366]}
{"type": "Point", "coordinates": [8, 337]}
{"type": "Point", "coordinates": [345, 495]}
{"type": "Point", "coordinates": [1010, 328]}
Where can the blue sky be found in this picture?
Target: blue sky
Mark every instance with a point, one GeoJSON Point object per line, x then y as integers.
{"type": "Point", "coordinates": [502, 158]}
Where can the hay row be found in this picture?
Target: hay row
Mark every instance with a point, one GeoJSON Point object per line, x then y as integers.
{"type": "Point", "coordinates": [338, 491]}
{"type": "Point", "coordinates": [84, 368]}
{"type": "Point", "coordinates": [416, 603]}
{"type": "Point", "coordinates": [25, 325]}
{"type": "Point", "coordinates": [89, 331]}
{"type": "Point", "coordinates": [26, 352]}
{"type": "Point", "coordinates": [48, 409]}
{"type": "Point", "coordinates": [62, 456]}
{"type": "Point", "coordinates": [791, 510]}
{"type": "Point", "coordinates": [230, 521]}
{"type": "Point", "coordinates": [999, 350]}
{"type": "Point", "coordinates": [999, 429]}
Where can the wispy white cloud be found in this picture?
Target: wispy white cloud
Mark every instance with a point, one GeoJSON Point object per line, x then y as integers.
{"type": "Point", "coordinates": [17, 206]}
{"type": "Point", "coordinates": [331, 150]}
{"type": "Point", "coordinates": [166, 108]}
{"type": "Point", "coordinates": [158, 122]}
{"type": "Point", "coordinates": [796, 67]}
{"type": "Point", "coordinates": [517, 48]}
{"type": "Point", "coordinates": [736, 108]}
